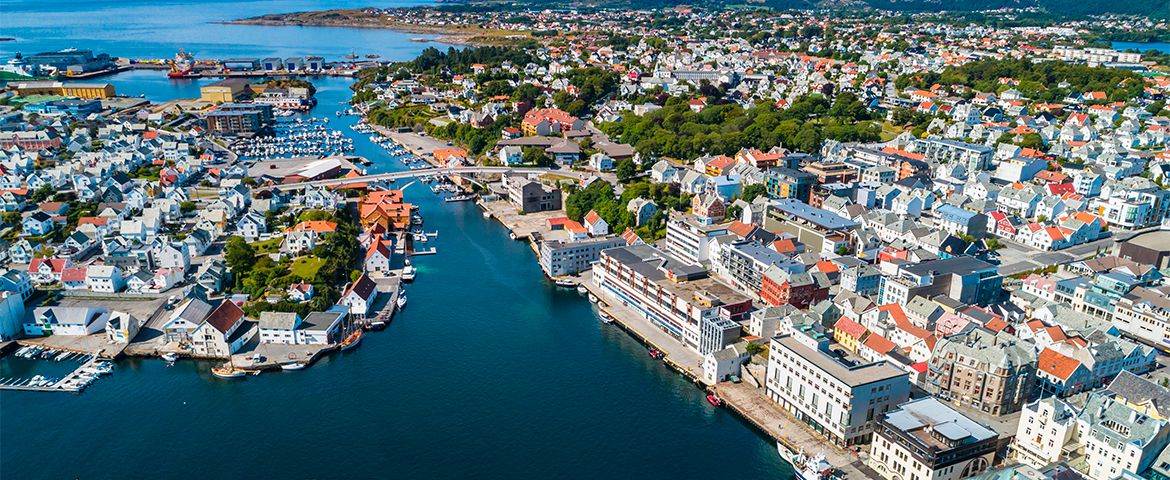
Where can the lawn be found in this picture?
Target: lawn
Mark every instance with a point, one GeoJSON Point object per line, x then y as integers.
{"type": "Point", "coordinates": [306, 267]}
{"type": "Point", "coordinates": [268, 246]}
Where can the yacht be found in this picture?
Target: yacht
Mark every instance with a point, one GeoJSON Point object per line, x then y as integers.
{"type": "Point", "coordinates": [408, 273]}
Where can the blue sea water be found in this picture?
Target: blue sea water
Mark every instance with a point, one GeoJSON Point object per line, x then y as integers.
{"type": "Point", "coordinates": [490, 371]}
{"type": "Point", "coordinates": [1162, 47]}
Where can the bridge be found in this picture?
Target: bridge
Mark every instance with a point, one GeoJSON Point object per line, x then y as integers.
{"type": "Point", "coordinates": [420, 172]}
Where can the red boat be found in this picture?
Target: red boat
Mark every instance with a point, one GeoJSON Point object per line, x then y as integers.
{"type": "Point", "coordinates": [713, 400]}
{"type": "Point", "coordinates": [654, 353]}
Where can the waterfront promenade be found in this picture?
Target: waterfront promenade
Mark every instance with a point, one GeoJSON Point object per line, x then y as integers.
{"type": "Point", "coordinates": [748, 401]}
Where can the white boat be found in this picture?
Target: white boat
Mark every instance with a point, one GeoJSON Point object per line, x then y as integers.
{"type": "Point", "coordinates": [170, 357]}
{"type": "Point", "coordinates": [408, 273]}
{"type": "Point", "coordinates": [605, 318]}
{"type": "Point", "coordinates": [582, 290]}
{"type": "Point", "coordinates": [401, 302]}
{"type": "Point", "coordinates": [294, 365]}
{"type": "Point", "coordinates": [592, 298]}
{"type": "Point", "coordinates": [805, 467]}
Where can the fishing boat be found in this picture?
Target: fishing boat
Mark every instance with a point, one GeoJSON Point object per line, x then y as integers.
{"type": "Point", "coordinates": [805, 467]}
{"type": "Point", "coordinates": [170, 357]}
{"type": "Point", "coordinates": [353, 340]}
{"type": "Point", "coordinates": [401, 302]}
{"type": "Point", "coordinates": [713, 400]}
{"type": "Point", "coordinates": [228, 371]}
{"type": "Point", "coordinates": [294, 365]}
{"type": "Point", "coordinates": [408, 273]}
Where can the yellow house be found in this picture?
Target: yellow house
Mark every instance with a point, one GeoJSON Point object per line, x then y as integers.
{"type": "Point", "coordinates": [85, 91]}
{"type": "Point", "coordinates": [224, 91]}
{"type": "Point", "coordinates": [849, 334]}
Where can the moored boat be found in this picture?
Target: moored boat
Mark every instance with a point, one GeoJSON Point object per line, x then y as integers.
{"type": "Point", "coordinates": [408, 273]}
{"type": "Point", "coordinates": [564, 282]}
{"type": "Point", "coordinates": [170, 357]}
{"type": "Point", "coordinates": [805, 467]}
{"type": "Point", "coordinates": [582, 290]}
{"type": "Point", "coordinates": [401, 302]}
{"type": "Point", "coordinates": [713, 400]}
{"type": "Point", "coordinates": [228, 371]}
{"type": "Point", "coordinates": [606, 318]}
{"type": "Point", "coordinates": [353, 340]}
{"type": "Point", "coordinates": [294, 365]}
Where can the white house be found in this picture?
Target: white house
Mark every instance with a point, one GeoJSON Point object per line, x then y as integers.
{"type": "Point", "coordinates": [67, 321]}
{"type": "Point", "coordinates": [104, 278]}
{"type": "Point", "coordinates": [360, 296]}
{"type": "Point", "coordinates": [279, 327]}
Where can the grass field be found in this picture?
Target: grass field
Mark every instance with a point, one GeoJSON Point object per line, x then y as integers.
{"type": "Point", "coordinates": [306, 267]}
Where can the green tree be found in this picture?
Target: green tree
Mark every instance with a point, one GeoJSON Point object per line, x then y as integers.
{"type": "Point", "coordinates": [240, 256]}
{"type": "Point", "coordinates": [626, 170]}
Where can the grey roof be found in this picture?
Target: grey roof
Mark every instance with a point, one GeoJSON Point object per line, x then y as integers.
{"type": "Point", "coordinates": [278, 320]}
{"type": "Point", "coordinates": [1138, 390]}
{"type": "Point", "coordinates": [929, 412]}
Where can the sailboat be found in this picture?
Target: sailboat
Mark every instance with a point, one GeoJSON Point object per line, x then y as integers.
{"type": "Point", "coordinates": [228, 370]}
{"type": "Point", "coordinates": [353, 339]}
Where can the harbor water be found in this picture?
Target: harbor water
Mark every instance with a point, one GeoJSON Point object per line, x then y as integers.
{"type": "Point", "coordinates": [489, 372]}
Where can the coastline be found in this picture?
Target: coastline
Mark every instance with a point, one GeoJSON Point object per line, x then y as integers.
{"type": "Point", "coordinates": [446, 35]}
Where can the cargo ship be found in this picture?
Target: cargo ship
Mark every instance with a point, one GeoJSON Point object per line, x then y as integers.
{"type": "Point", "coordinates": [183, 66]}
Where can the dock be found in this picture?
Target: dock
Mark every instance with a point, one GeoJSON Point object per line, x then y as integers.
{"type": "Point", "coordinates": [746, 400]}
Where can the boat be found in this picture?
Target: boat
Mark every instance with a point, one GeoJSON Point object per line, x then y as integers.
{"type": "Point", "coordinates": [713, 400]}
{"type": "Point", "coordinates": [408, 273]}
{"type": "Point", "coordinates": [353, 340]}
{"type": "Point", "coordinates": [564, 282]}
{"type": "Point", "coordinates": [401, 302]}
{"type": "Point", "coordinates": [592, 298]}
{"type": "Point", "coordinates": [170, 357]}
{"type": "Point", "coordinates": [228, 371]}
{"type": "Point", "coordinates": [805, 467]}
{"type": "Point", "coordinates": [294, 365]}
{"type": "Point", "coordinates": [487, 215]}
{"type": "Point", "coordinates": [460, 198]}
{"type": "Point", "coordinates": [606, 318]}
{"type": "Point", "coordinates": [183, 65]}
{"type": "Point", "coordinates": [582, 290]}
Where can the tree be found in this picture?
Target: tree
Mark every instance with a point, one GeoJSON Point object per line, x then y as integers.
{"type": "Point", "coordinates": [41, 194]}
{"type": "Point", "coordinates": [11, 218]}
{"type": "Point", "coordinates": [240, 256]}
{"type": "Point", "coordinates": [753, 191]}
{"type": "Point", "coordinates": [535, 156]}
{"type": "Point", "coordinates": [626, 170]}
{"type": "Point", "coordinates": [187, 207]}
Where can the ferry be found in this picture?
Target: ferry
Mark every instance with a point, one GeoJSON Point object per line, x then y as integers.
{"type": "Point", "coordinates": [806, 467]}
{"type": "Point", "coordinates": [408, 273]}
{"type": "Point", "coordinates": [353, 340]}
{"type": "Point", "coordinates": [294, 365]}
{"type": "Point", "coordinates": [227, 371]}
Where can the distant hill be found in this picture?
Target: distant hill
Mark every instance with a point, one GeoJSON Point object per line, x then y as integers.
{"type": "Point", "coordinates": [1069, 8]}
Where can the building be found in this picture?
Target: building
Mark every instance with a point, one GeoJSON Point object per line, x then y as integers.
{"type": "Point", "coordinates": [84, 91]}
{"type": "Point", "coordinates": [983, 370]}
{"type": "Point", "coordinates": [820, 230]}
{"type": "Point", "coordinates": [675, 296]}
{"type": "Point", "coordinates": [227, 90]}
{"type": "Point", "coordinates": [952, 219]}
{"type": "Point", "coordinates": [279, 327]}
{"type": "Point", "coordinates": [782, 182]}
{"type": "Point", "coordinates": [323, 328]}
{"type": "Point", "coordinates": [966, 279]}
{"type": "Point", "coordinates": [1150, 248]}
{"type": "Point", "coordinates": [974, 157]}
{"type": "Point", "coordinates": [70, 61]}
{"type": "Point", "coordinates": [1046, 426]}
{"type": "Point", "coordinates": [838, 397]}
{"type": "Point", "coordinates": [66, 321]}
{"type": "Point", "coordinates": [531, 196]}
{"type": "Point", "coordinates": [559, 258]}
{"type": "Point", "coordinates": [360, 296]}
{"type": "Point", "coordinates": [239, 119]}
{"type": "Point", "coordinates": [926, 440]}
{"type": "Point", "coordinates": [688, 237]}
{"type": "Point", "coordinates": [549, 121]}
{"type": "Point", "coordinates": [1119, 434]}
{"type": "Point", "coordinates": [122, 327]}
{"type": "Point", "coordinates": [223, 332]}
